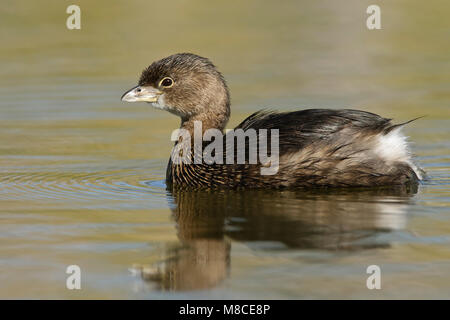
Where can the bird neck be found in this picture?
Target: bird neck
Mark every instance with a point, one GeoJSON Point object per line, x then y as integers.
{"type": "Point", "coordinates": [215, 111]}
{"type": "Point", "coordinates": [204, 123]}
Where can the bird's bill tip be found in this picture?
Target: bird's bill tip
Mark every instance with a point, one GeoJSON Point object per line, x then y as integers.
{"type": "Point", "coordinates": [141, 93]}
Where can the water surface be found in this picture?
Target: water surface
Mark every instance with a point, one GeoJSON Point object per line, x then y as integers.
{"type": "Point", "coordinates": [82, 174]}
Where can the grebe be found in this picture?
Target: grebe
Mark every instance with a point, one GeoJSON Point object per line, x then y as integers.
{"type": "Point", "coordinates": [317, 147]}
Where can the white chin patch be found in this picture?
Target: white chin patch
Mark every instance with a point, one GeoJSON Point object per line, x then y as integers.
{"type": "Point", "coordinates": [160, 104]}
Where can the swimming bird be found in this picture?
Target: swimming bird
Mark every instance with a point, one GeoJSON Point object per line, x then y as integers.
{"type": "Point", "coordinates": [316, 147]}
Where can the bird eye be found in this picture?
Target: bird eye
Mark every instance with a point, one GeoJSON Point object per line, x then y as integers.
{"type": "Point", "coordinates": [166, 82]}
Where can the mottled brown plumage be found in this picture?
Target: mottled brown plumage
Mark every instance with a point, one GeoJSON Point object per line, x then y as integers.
{"type": "Point", "coordinates": [318, 147]}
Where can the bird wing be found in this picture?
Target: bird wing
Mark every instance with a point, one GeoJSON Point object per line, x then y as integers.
{"type": "Point", "coordinates": [300, 128]}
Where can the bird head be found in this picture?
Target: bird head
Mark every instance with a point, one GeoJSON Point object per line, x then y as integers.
{"type": "Point", "coordinates": [184, 84]}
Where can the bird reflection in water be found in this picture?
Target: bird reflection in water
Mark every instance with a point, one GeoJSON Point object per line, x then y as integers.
{"type": "Point", "coordinates": [208, 222]}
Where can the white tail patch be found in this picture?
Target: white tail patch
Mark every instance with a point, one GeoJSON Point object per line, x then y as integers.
{"type": "Point", "coordinates": [393, 147]}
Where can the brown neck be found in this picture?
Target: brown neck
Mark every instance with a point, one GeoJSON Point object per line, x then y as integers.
{"type": "Point", "coordinates": [206, 123]}
{"type": "Point", "coordinates": [213, 111]}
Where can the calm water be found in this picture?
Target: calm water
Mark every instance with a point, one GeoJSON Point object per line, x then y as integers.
{"type": "Point", "coordinates": [82, 174]}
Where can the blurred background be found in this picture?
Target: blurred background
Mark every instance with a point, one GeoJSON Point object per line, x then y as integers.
{"type": "Point", "coordinates": [82, 174]}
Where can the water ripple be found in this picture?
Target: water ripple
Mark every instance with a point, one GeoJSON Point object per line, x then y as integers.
{"type": "Point", "coordinates": [138, 181]}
